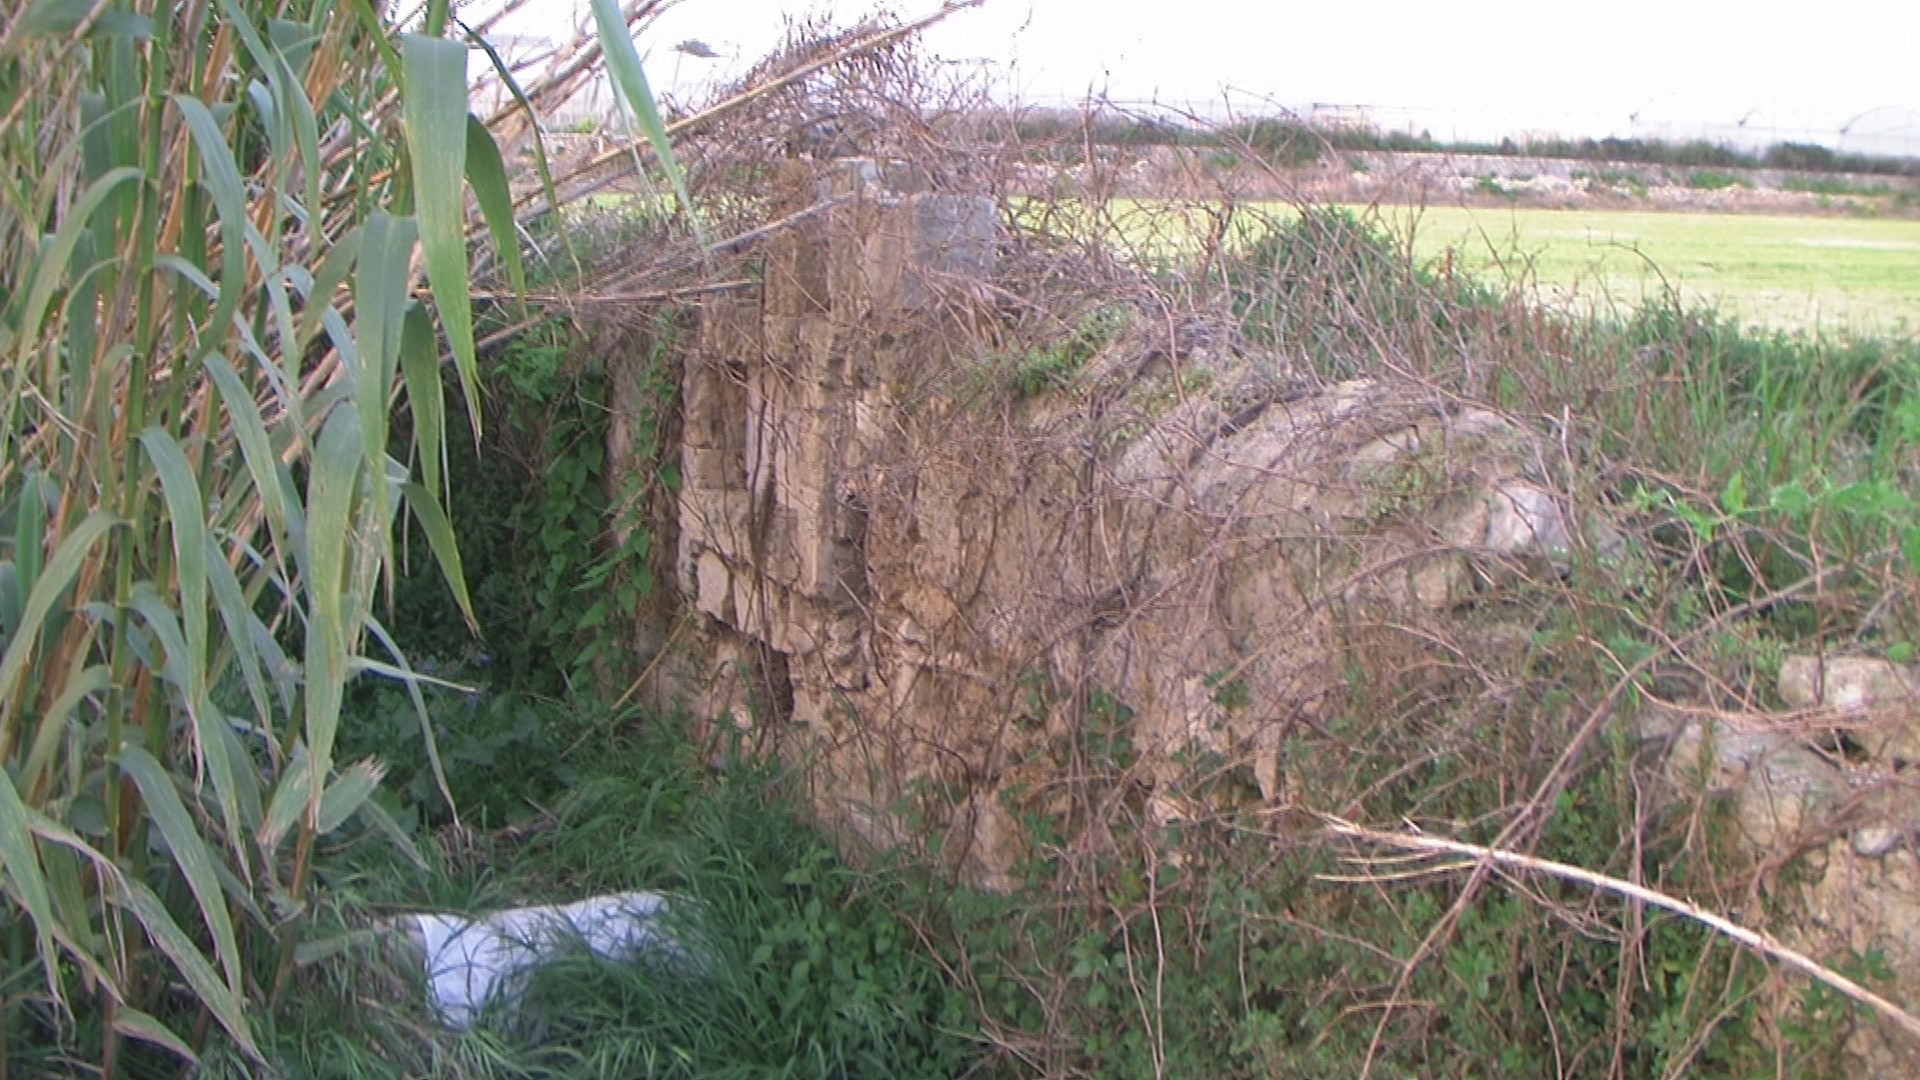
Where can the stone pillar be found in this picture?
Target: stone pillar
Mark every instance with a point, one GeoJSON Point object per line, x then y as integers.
{"type": "Point", "coordinates": [780, 398]}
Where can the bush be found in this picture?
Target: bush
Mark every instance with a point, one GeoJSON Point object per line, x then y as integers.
{"type": "Point", "coordinates": [1327, 281]}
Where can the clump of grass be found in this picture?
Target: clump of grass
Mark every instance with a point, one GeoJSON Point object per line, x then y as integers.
{"type": "Point", "coordinates": [1491, 185]}
{"type": "Point", "coordinates": [1326, 283]}
{"type": "Point", "coordinates": [1054, 367]}
{"type": "Point", "coordinates": [1836, 185]}
{"type": "Point", "coordinates": [1624, 178]}
{"type": "Point", "coordinates": [802, 964]}
{"type": "Point", "coordinates": [1716, 180]}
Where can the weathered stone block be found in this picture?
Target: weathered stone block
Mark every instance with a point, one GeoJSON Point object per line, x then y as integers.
{"type": "Point", "coordinates": [713, 586]}
{"type": "Point", "coordinates": [925, 243]}
{"type": "Point", "coordinates": [717, 518]}
{"type": "Point", "coordinates": [1882, 698]}
{"type": "Point", "coordinates": [713, 469]}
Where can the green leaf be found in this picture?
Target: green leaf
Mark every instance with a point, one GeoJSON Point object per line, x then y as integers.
{"type": "Point", "coordinates": [53, 728]}
{"type": "Point", "coordinates": [71, 894]}
{"type": "Point", "coordinates": [135, 1024]}
{"type": "Point", "coordinates": [50, 265]}
{"type": "Point", "coordinates": [1906, 420]}
{"type": "Point", "coordinates": [1701, 523]}
{"type": "Point", "coordinates": [294, 42]}
{"type": "Point", "coordinates": [317, 950]}
{"type": "Point", "coordinates": [1790, 499]}
{"type": "Point", "coordinates": [487, 174]}
{"type": "Point", "coordinates": [189, 852]}
{"type": "Point", "coordinates": [247, 787]}
{"type": "Point", "coordinates": [380, 300]}
{"type": "Point", "coordinates": [1734, 499]}
{"type": "Point", "coordinates": [242, 625]}
{"type": "Point", "coordinates": [29, 539]}
{"type": "Point", "coordinates": [290, 104]}
{"type": "Point", "coordinates": [167, 936]}
{"type": "Point", "coordinates": [331, 488]}
{"type": "Point", "coordinates": [630, 78]}
{"type": "Point", "coordinates": [165, 625]}
{"type": "Point", "coordinates": [250, 430]}
{"type": "Point", "coordinates": [446, 551]}
{"type": "Point", "coordinates": [346, 795]}
{"type": "Point", "coordinates": [384, 824]}
{"type": "Point", "coordinates": [187, 520]}
{"type": "Point", "coordinates": [222, 177]}
{"type": "Point", "coordinates": [61, 570]}
{"type": "Point", "coordinates": [20, 862]}
{"type": "Point", "coordinates": [504, 72]}
{"type": "Point", "coordinates": [405, 675]}
{"type": "Point", "coordinates": [420, 364]}
{"type": "Point", "coordinates": [436, 114]}
{"type": "Point", "coordinates": [63, 17]}
{"type": "Point", "coordinates": [291, 797]}
{"type": "Point", "coordinates": [595, 616]}
{"type": "Point", "coordinates": [339, 261]}
{"type": "Point", "coordinates": [1872, 497]}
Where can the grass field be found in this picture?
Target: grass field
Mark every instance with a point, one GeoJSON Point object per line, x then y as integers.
{"type": "Point", "coordinates": [1787, 272]}
{"type": "Point", "coordinates": [1792, 273]}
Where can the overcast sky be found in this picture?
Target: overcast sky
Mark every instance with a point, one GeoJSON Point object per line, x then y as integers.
{"type": "Point", "coordinates": [1514, 64]}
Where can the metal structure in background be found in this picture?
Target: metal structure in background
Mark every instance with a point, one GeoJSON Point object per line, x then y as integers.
{"type": "Point", "coordinates": [686, 73]}
{"type": "Point", "coordinates": [1889, 131]}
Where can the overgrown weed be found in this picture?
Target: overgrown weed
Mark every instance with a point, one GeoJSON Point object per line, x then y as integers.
{"type": "Point", "coordinates": [1757, 491]}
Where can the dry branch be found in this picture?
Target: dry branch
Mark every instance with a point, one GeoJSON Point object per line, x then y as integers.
{"type": "Point", "coordinates": [706, 116]}
{"type": "Point", "coordinates": [1758, 941]}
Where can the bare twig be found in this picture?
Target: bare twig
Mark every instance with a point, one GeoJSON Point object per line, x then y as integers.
{"type": "Point", "coordinates": [1759, 941]}
{"type": "Point", "coordinates": [1533, 813]}
{"type": "Point", "coordinates": [748, 97]}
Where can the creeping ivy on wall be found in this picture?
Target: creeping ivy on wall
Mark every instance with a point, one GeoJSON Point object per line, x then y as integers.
{"type": "Point", "coordinates": [557, 545]}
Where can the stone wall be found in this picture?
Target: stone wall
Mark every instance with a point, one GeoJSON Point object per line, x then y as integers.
{"type": "Point", "coordinates": [912, 589]}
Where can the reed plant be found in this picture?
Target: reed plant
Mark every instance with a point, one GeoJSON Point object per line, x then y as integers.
{"type": "Point", "coordinates": [234, 240]}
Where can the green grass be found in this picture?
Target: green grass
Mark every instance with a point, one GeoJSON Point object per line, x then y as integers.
{"type": "Point", "coordinates": [1716, 180]}
{"type": "Point", "coordinates": [1846, 274]}
{"type": "Point", "coordinates": [1851, 275]}
{"type": "Point", "coordinates": [1837, 185]}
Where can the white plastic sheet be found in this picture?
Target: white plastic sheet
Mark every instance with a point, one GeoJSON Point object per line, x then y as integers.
{"type": "Point", "coordinates": [472, 962]}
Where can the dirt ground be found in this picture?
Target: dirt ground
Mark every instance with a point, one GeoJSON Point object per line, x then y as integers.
{"type": "Point", "coordinates": [1481, 180]}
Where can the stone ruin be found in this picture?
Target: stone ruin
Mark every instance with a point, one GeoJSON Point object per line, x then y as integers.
{"type": "Point", "coordinates": [895, 571]}
{"type": "Point", "coordinates": [887, 578]}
